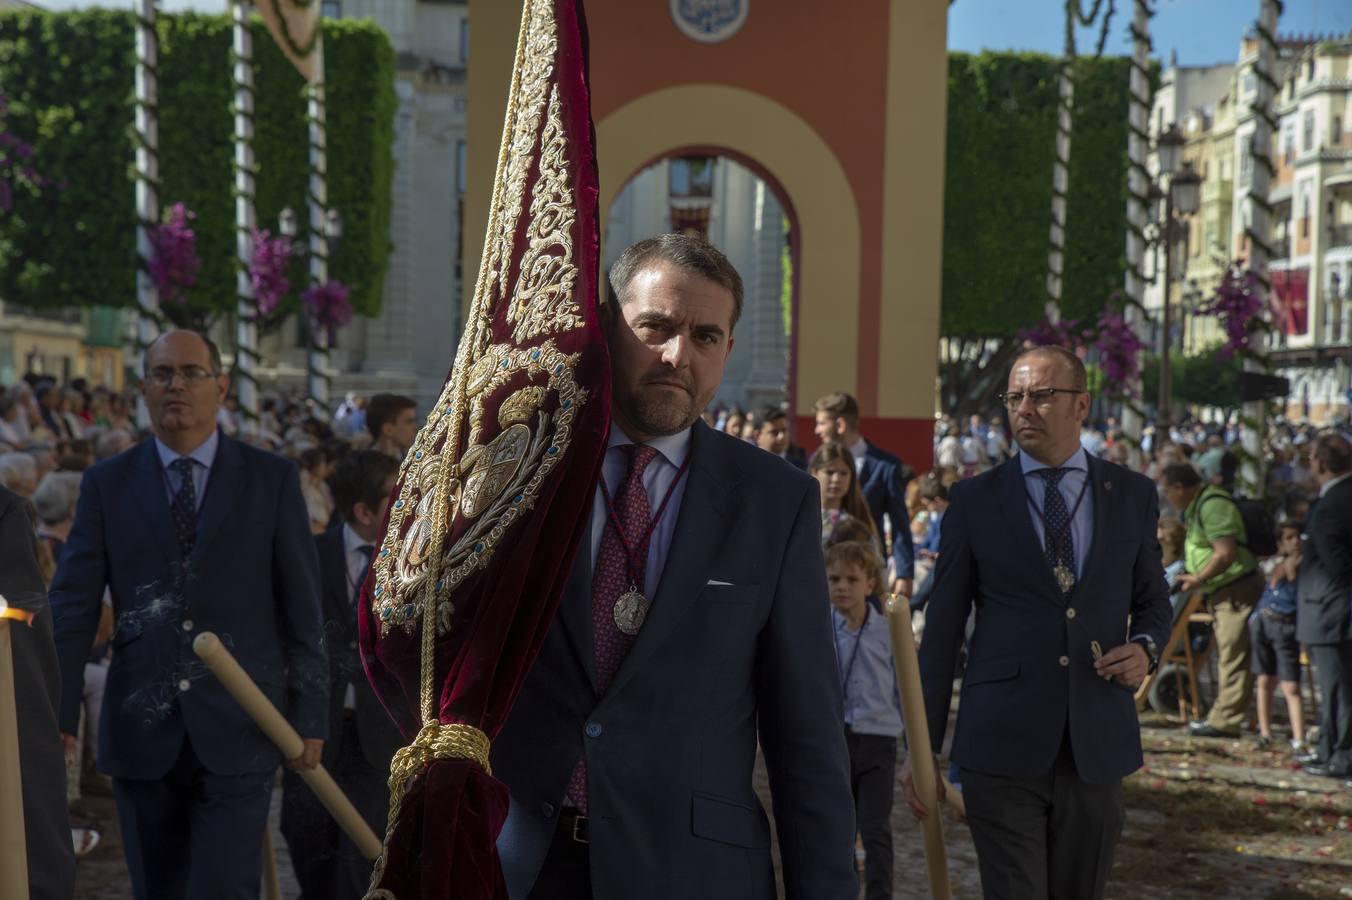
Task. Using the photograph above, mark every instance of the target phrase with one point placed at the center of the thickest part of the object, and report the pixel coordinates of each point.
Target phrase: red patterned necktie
(611, 578)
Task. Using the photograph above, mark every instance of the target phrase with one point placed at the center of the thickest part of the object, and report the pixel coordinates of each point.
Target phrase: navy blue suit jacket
(1030, 670)
(736, 653)
(253, 579)
(376, 733)
(883, 483)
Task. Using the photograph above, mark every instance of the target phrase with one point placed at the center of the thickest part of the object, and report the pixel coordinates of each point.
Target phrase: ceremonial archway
(803, 172)
(842, 106)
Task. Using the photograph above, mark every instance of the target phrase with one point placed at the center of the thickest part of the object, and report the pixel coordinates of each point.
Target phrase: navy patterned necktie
(1057, 541)
(184, 508)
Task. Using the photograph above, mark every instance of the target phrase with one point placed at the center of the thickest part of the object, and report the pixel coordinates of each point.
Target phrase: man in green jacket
(1219, 563)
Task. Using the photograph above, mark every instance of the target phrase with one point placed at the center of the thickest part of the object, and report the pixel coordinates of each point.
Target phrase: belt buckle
(580, 830)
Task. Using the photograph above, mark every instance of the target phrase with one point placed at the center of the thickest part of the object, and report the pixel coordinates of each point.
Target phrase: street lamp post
(1181, 199)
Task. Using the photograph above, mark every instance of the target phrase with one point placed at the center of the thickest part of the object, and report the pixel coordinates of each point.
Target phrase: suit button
(1070, 613)
(184, 684)
(1065, 660)
(547, 809)
(187, 624)
(593, 729)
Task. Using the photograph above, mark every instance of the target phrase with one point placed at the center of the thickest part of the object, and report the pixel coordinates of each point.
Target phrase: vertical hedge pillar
(246, 310)
(147, 179)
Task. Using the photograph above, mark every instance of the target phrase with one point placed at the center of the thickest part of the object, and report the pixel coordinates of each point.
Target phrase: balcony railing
(1340, 236)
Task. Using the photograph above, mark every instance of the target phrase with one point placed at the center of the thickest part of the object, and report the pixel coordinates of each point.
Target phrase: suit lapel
(575, 607)
(337, 597)
(1104, 489)
(700, 532)
(225, 485)
(151, 494)
(1014, 504)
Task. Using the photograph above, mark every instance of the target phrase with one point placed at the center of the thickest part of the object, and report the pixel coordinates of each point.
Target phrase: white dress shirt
(859, 450)
(672, 452)
(1072, 482)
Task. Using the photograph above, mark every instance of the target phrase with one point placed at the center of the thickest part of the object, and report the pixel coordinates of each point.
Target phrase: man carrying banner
(695, 612)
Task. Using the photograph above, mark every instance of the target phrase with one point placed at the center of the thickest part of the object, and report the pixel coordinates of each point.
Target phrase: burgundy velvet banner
(493, 498)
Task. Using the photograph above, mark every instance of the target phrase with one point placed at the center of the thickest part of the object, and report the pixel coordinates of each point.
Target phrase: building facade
(1312, 231)
(1311, 223)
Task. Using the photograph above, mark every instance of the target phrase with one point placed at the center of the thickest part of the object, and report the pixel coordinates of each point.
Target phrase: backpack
(1259, 527)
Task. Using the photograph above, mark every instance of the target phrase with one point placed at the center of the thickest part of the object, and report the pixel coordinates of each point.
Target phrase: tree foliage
(70, 77)
(997, 192)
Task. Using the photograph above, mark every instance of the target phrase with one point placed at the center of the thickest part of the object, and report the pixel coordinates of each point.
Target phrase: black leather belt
(574, 824)
(1278, 617)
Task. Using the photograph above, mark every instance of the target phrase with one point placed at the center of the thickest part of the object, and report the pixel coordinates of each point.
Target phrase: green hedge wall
(70, 80)
(997, 193)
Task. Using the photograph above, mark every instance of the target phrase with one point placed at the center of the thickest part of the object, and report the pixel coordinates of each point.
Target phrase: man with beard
(695, 621)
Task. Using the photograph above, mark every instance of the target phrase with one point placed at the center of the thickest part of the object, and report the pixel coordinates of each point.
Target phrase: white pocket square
(713, 582)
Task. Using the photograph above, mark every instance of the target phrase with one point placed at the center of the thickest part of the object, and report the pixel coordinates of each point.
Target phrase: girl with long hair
(833, 467)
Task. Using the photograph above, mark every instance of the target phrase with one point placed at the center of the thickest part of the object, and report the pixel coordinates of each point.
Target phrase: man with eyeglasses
(192, 531)
(1057, 550)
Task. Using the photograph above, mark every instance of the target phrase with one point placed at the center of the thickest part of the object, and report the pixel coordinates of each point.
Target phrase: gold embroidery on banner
(492, 468)
(492, 484)
(541, 46)
(543, 302)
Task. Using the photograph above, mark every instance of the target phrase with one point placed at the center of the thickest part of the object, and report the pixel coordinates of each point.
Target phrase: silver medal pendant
(630, 611)
(1065, 578)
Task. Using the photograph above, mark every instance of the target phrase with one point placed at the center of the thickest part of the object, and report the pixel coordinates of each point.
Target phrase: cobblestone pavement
(1205, 818)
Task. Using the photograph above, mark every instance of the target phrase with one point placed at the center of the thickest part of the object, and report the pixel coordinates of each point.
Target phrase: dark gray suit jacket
(673, 812)
(37, 687)
(1326, 570)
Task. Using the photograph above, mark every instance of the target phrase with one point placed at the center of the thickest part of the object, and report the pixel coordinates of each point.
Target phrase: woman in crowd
(119, 414)
(317, 465)
(833, 467)
(13, 432)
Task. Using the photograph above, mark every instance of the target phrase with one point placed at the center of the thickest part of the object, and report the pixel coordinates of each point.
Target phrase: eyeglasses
(1042, 398)
(163, 376)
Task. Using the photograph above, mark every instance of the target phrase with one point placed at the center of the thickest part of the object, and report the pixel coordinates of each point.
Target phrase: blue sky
(1202, 31)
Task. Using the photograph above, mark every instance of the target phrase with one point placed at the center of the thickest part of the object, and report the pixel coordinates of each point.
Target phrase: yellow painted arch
(827, 217)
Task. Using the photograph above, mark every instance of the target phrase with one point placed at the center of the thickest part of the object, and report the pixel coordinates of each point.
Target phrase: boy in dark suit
(361, 738)
(882, 479)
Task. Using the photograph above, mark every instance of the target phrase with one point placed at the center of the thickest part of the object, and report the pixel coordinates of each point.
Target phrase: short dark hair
(361, 478)
(1334, 451)
(1077, 371)
(841, 406)
(772, 414)
(1181, 474)
(860, 554)
(684, 251)
(213, 352)
(383, 408)
(932, 487)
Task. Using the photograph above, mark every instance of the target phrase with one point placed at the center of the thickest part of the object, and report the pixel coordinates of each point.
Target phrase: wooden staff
(13, 843)
(272, 885)
(279, 731)
(918, 739)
